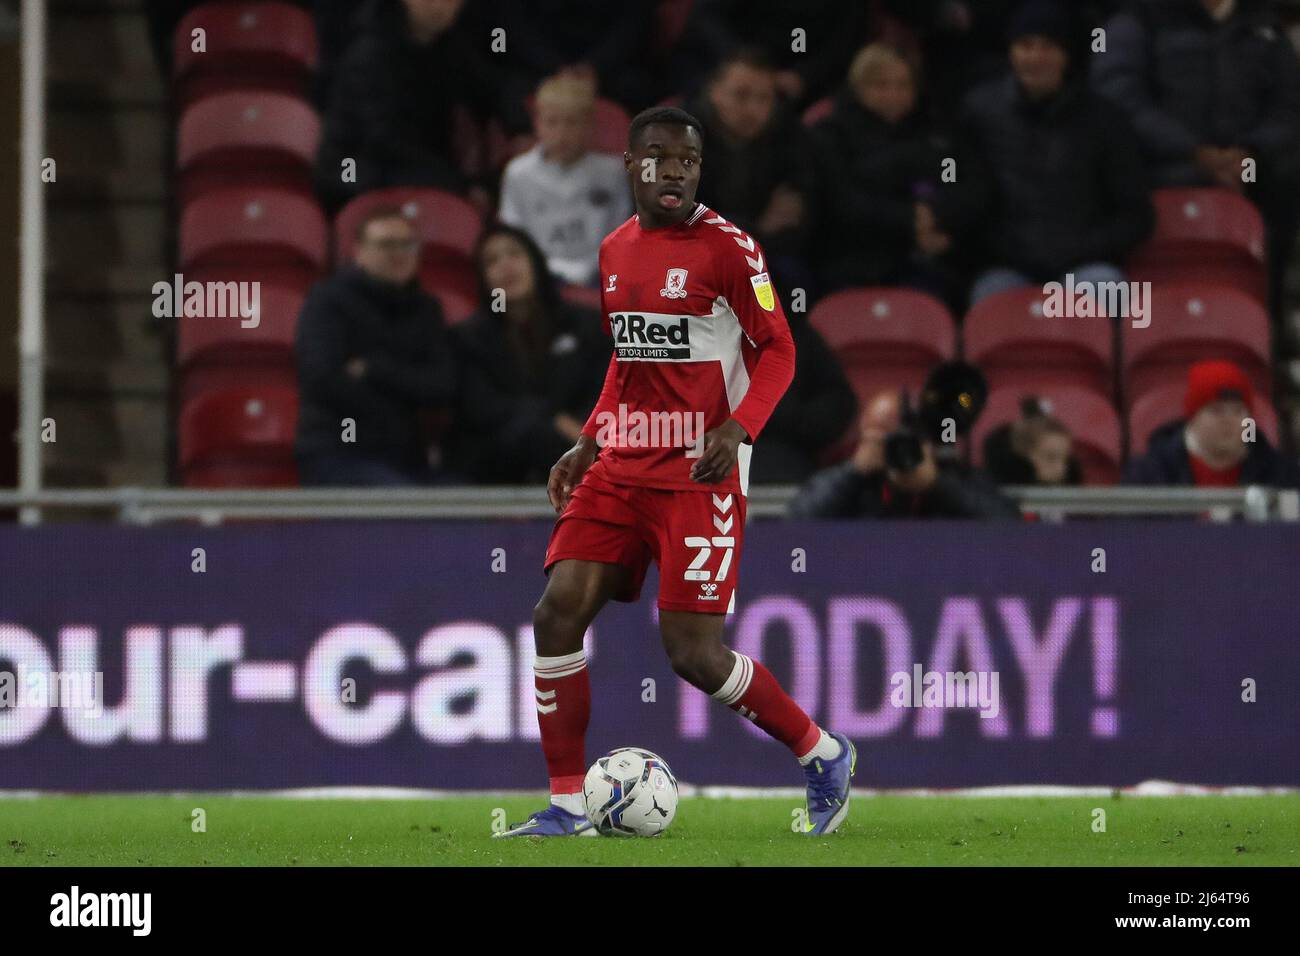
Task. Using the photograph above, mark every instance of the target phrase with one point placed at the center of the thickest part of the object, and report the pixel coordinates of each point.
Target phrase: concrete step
(110, 328)
(98, 235)
(101, 40)
(97, 142)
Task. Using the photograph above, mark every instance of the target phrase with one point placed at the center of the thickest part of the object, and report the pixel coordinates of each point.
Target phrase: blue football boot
(829, 782)
(552, 822)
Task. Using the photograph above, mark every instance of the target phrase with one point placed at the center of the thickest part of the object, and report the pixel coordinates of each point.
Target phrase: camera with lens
(954, 391)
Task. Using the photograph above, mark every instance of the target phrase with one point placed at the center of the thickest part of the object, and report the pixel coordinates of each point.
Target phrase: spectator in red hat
(1212, 447)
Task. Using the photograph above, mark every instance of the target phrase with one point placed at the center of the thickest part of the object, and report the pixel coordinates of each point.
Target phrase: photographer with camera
(903, 467)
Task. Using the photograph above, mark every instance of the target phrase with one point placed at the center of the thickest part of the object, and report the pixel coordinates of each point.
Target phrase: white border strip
(1149, 788)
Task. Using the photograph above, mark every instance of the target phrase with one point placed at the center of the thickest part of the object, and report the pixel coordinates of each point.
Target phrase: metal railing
(145, 506)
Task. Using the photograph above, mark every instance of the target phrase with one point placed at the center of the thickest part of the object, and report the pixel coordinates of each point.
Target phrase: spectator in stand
(808, 64)
(878, 167)
(1036, 449)
(395, 101)
(532, 366)
(758, 176)
(565, 196)
(864, 487)
(963, 42)
(1210, 84)
(1050, 179)
(599, 41)
(1208, 447)
(373, 352)
(812, 415)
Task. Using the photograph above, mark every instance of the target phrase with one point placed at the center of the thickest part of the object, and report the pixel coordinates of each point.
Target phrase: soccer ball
(630, 792)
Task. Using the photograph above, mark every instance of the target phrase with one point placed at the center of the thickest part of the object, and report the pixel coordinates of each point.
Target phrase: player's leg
(574, 595)
(698, 550)
(575, 592)
(694, 645)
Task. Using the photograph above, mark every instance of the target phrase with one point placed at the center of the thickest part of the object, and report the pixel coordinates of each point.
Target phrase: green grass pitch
(880, 831)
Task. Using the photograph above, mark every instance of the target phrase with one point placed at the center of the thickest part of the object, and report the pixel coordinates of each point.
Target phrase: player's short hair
(376, 215)
(668, 115)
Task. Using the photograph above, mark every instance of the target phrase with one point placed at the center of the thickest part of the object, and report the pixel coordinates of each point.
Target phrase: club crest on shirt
(763, 291)
(674, 284)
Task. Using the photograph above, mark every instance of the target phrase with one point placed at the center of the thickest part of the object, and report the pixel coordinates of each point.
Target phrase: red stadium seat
(1191, 322)
(445, 223)
(268, 234)
(885, 338)
(214, 352)
(265, 46)
(239, 436)
(1204, 235)
(610, 134)
(1092, 421)
(1007, 336)
(248, 138)
(1164, 404)
(456, 306)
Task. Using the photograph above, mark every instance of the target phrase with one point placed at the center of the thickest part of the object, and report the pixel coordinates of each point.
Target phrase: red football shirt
(699, 337)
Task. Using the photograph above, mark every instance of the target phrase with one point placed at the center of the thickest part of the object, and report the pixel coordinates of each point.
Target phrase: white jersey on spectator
(568, 210)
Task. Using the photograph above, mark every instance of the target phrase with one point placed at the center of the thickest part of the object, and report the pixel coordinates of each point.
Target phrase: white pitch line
(1149, 788)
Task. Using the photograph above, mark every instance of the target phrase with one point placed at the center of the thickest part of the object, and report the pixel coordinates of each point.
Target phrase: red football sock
(563, 709)
(754, 693)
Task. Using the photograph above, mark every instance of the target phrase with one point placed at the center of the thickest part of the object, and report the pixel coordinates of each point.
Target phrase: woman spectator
(532, 366)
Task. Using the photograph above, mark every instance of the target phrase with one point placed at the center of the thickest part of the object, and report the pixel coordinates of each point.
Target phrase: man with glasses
(374, 358)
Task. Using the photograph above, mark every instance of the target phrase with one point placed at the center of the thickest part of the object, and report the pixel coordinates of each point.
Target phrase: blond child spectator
(565, 196)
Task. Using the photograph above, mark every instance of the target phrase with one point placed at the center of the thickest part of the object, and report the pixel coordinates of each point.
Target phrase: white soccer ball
(630, 792)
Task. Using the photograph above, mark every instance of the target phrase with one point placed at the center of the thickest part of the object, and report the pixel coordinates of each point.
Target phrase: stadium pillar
(31, 256)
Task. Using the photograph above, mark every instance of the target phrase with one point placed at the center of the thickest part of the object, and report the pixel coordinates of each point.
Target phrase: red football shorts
(694, 537)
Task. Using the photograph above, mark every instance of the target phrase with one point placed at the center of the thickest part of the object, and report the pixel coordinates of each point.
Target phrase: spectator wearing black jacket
(532, 366)
(375, 365)
(808, 42)
(596, 39)
(878, 165)
(758, 175)
(396, 97)
(812, 415)
(1210, 84)
(1207, 448)
(1050, 179)
(864, 487)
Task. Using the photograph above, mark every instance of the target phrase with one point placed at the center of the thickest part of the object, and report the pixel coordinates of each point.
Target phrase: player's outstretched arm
(568, 471)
